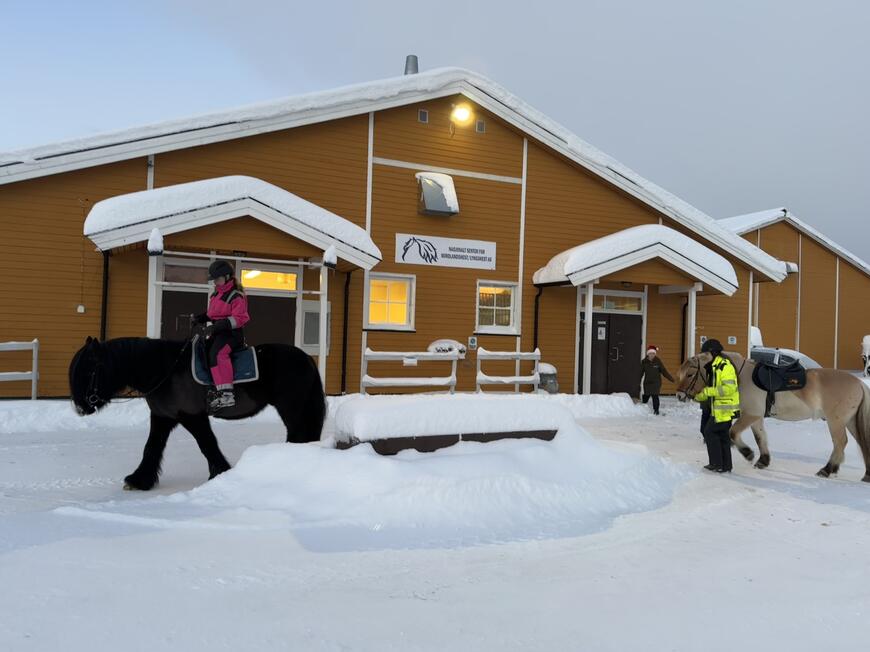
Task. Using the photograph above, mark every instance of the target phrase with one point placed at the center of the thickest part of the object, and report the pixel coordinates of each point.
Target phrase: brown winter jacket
(651, 371)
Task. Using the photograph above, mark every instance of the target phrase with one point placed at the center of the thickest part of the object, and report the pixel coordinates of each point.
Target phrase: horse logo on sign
(427, 251)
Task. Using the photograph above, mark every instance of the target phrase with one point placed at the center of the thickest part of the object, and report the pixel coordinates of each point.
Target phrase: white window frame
(513, 329)
(615, 293)
(412, 302)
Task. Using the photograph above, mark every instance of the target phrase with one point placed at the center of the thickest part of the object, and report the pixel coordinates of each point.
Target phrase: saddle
(245, 369)
(774, 378)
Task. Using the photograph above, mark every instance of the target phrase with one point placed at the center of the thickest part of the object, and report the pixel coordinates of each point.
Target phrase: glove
(701, 396)
(221, 325)
(208, 331)
(201, 318)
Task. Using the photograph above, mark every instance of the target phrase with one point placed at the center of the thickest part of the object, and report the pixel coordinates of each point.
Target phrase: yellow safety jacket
(725, 398)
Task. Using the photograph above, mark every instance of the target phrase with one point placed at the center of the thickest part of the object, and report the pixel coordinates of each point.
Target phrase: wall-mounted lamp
(461, 114)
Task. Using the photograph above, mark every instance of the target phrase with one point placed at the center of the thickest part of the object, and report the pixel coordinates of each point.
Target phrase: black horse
(160, 371)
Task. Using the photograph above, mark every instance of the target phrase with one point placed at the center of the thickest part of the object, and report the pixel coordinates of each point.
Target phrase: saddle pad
(245, 369)
(772, 378)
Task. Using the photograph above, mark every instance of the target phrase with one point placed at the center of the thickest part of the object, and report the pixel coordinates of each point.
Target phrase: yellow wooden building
(456, 211)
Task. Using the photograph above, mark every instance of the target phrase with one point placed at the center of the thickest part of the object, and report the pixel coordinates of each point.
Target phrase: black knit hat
(712, 346)
(220, 268)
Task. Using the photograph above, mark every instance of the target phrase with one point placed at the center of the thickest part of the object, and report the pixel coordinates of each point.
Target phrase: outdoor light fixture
(461, 114)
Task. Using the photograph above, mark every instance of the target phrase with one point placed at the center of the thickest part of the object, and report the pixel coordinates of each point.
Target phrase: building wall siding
(818, 301)
(777, 302)
(854, 322)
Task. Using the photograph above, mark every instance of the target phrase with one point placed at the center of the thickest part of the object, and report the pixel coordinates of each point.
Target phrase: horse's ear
(88, 340)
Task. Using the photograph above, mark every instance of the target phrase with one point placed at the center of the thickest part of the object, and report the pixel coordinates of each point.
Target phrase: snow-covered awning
(592, 260)
(130, 218)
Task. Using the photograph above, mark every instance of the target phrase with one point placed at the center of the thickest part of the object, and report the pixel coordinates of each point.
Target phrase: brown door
(616, 354)
(175, 311)
(273, 320)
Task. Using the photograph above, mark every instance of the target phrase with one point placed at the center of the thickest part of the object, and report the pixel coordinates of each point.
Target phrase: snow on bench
(429, 422)
(516, 380)
(410, 359)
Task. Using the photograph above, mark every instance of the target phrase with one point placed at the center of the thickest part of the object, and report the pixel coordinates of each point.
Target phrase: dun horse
(160, 371)
(836, 396)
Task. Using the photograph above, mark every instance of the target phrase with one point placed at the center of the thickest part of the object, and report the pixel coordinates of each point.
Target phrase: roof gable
(373, 96)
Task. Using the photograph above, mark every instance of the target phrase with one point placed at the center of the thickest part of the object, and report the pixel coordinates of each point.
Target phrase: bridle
(695, 376)
(93, 396)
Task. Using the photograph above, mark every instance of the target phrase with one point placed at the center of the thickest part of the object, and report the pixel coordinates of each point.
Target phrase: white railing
(516, 381)
(410, 359)
(33, 374)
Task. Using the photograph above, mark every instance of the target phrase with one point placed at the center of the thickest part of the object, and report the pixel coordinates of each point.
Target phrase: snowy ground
(576, 544)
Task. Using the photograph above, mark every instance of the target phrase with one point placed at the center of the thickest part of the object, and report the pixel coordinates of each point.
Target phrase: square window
(423, 116)
(391, 302)
(496, 308)
(480, 127)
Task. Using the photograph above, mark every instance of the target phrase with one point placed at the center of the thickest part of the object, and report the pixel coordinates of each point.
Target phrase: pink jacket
(230, 304)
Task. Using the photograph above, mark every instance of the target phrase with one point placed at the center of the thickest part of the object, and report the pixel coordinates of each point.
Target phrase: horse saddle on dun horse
(773, 378)
(245, 369)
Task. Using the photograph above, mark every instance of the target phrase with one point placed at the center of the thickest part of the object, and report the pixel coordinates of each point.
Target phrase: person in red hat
(651, 371)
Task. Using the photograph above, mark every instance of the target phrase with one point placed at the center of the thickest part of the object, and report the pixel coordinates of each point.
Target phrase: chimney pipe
(411, 67)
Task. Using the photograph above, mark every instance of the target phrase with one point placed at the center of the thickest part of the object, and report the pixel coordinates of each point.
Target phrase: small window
(310, 336)
(185, 271)
(437, 194)
(480, 126)
(391, 302)
(258, 279)
(496, 307)
(423, 116)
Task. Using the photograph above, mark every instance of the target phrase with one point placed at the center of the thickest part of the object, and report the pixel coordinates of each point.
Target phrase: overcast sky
(735, 106)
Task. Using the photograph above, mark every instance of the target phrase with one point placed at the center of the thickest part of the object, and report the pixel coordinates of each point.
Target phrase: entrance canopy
(128, 219)
(591, 261)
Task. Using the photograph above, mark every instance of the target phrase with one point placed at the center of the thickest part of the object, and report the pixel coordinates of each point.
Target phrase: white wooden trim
(369, 171)
(576, 363)
(643, 327)
(749, 321)
(244, 206)
(33, 374)
(587, 339)
(412, 302)
(797, 335)
(364, 339)
(691, 321)
(152, 326)
(321, 341)
(149, 174)
(422, 167)
(837, 315)
(656, 250)
(522, 248)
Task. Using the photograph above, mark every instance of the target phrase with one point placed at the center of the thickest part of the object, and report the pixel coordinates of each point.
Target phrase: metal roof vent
(411, 66)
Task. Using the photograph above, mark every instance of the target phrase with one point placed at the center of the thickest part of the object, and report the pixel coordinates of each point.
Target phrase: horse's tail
(862, 427)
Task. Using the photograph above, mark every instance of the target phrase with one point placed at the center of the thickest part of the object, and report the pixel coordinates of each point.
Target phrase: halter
(696, 375)
(93, 397)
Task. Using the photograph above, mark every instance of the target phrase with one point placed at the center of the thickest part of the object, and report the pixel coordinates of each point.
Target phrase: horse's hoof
(132, 483)
(823, 473)
(128, 487)
(866, 478)
(763, 462)
(760, 465)
(748, 453)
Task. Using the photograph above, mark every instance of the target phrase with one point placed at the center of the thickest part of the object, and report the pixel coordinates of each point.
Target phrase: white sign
(444, 252)
(602, 332)
(732, 339)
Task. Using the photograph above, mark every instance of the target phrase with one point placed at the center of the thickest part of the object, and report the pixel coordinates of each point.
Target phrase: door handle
(615, 359)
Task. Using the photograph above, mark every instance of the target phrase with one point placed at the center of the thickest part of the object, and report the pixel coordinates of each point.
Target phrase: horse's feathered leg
(146, 474)
(838, 436)
(760, 435)
(737, 429)
(198, 425)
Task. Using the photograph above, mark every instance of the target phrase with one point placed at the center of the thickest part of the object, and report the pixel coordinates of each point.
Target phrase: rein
(93, 396)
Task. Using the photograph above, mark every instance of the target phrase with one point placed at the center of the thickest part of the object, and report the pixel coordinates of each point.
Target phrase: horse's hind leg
(146, 474)
(761, 439)
(737, 430)
(838, 436)
(200, 428)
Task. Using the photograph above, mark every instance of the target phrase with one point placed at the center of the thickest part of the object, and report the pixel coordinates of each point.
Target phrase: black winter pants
(718, 439)
(235, 338)
(655, 400)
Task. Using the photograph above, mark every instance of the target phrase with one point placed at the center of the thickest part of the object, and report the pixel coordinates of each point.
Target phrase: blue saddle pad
(245, 367)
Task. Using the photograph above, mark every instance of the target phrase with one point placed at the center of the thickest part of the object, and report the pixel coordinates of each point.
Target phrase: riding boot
(220, 399)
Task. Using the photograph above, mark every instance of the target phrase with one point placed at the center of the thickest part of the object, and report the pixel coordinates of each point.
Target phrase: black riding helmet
(712, 346)
(220, 268)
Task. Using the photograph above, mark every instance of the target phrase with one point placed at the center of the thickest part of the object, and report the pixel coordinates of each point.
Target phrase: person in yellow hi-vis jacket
(724, 399)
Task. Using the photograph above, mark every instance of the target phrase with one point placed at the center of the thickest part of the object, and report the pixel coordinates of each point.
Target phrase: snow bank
(467, 494)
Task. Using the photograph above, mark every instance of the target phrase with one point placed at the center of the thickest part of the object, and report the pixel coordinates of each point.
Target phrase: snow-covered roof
(592, 260)
(741, 224)
(130, 218)
(362, 98)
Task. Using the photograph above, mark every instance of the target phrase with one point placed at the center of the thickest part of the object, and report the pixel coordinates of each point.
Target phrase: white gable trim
(192, 219)
(658, 250)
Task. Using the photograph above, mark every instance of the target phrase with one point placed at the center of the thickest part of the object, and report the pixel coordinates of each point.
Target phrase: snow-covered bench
(429, 422)
(410, 359)
(517, 380)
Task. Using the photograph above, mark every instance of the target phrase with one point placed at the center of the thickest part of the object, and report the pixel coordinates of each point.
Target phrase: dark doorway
(616, 353)
(177, 306)
(273, 320)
